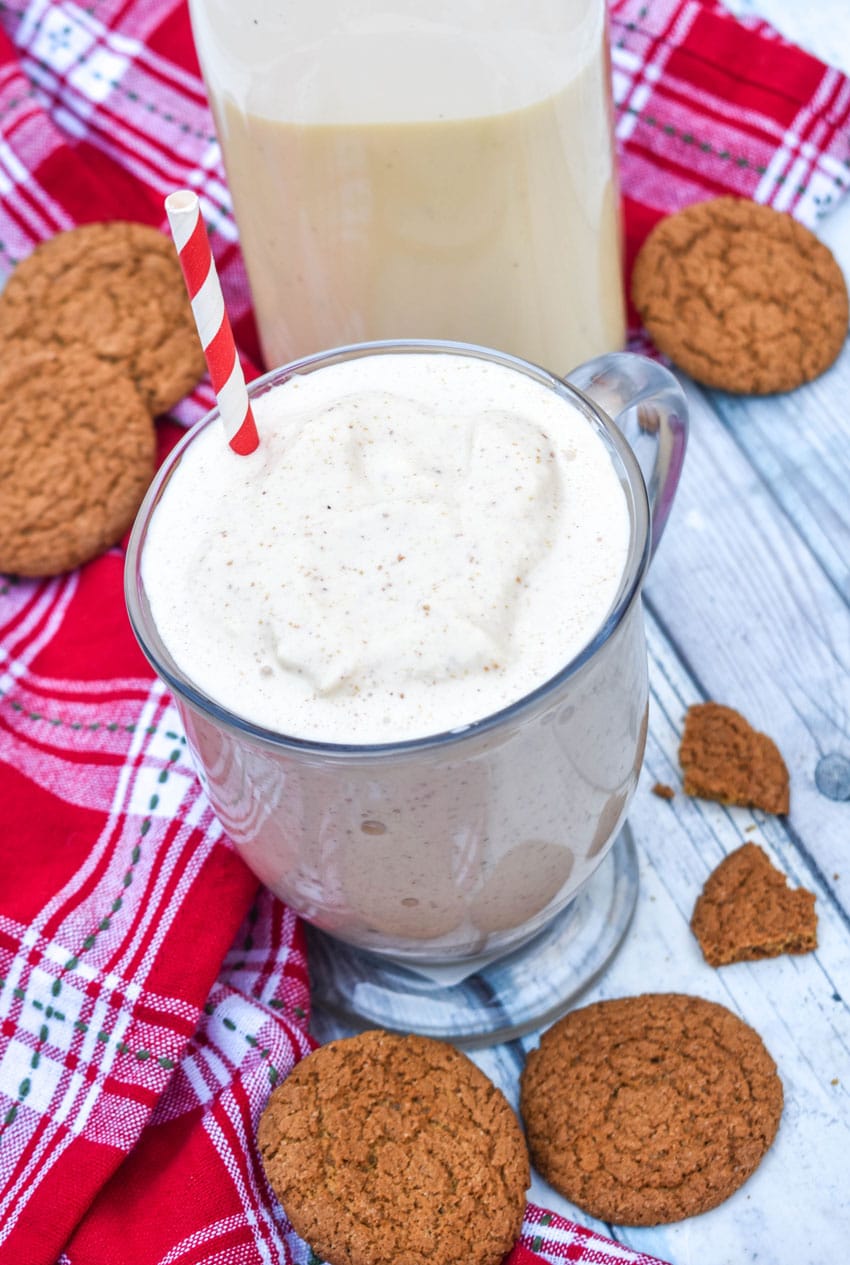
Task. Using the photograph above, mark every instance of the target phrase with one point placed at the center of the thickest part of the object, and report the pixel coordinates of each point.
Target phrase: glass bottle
(401, 170)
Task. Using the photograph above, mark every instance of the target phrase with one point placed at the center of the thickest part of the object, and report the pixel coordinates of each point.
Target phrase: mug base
(527, 989)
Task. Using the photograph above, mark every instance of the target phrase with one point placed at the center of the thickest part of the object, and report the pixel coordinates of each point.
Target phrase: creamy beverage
(421, 540)
(439, 171)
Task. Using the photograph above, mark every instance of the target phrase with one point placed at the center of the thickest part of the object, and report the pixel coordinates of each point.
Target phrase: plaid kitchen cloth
(150, 993)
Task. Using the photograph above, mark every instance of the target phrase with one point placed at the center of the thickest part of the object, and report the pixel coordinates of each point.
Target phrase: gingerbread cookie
(746, 911)
(76, 459)
(385, 1148)
(117, 289)
(740, 296)
(724, 758)
(649, 1109)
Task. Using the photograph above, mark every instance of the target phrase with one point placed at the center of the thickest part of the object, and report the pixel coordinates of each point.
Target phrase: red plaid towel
(150, 995)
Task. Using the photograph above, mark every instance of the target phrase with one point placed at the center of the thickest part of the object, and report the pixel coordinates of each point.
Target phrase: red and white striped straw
(195, 255)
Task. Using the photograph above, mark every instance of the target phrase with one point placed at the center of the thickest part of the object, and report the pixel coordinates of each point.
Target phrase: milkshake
(421, 540)
(403, 641)
(439, 171)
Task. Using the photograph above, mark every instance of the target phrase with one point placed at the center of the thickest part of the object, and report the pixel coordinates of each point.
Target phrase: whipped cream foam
(419, 541)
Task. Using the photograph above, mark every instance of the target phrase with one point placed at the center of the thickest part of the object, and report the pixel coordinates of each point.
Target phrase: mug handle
(649, 406)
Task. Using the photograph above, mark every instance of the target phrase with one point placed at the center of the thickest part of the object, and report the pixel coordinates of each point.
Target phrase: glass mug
(421, 171)
(441, 849)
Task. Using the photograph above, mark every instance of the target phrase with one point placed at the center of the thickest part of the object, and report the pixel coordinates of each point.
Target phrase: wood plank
(759, 623)
(800, 447)
(794, 1003)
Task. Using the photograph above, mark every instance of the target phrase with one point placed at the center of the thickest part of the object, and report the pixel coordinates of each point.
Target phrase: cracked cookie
(725, 759)
(747, 911)
(385, 1149)
(76, 459)
(740, 296)
(115, 288)
(649, 1109)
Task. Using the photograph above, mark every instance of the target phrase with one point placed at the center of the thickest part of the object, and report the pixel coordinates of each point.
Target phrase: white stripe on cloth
(49, 610)
(563, 1237)
(206, 1240)
(258, 1217)
(150, 924)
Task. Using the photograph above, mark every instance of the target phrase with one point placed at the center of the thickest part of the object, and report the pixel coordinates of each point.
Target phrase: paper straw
(195, 255)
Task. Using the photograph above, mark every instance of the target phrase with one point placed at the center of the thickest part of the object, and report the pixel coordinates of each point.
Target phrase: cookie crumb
(747, 911)
(723, 758)
(663, 791)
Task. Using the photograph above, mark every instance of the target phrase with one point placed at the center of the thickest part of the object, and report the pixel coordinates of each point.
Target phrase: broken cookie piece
(746, 911)
(725, 759)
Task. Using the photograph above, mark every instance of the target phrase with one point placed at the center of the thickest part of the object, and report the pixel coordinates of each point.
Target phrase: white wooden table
(748, 603)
